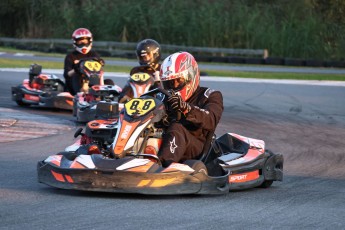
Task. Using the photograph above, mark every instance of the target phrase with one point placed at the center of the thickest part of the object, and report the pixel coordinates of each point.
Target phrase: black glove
(100, 60)
(76, 67)
(176, 103)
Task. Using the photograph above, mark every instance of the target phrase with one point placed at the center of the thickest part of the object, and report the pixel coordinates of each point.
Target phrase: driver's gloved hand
(176, 103)
(76, 67)
(100, 60)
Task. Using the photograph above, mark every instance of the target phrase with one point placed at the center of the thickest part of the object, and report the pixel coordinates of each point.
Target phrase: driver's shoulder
(207, 92)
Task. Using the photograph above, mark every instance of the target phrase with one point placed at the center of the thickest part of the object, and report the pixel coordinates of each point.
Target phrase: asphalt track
(305, 122)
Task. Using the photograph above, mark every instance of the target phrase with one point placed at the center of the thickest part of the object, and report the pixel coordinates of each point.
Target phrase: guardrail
(128, 48)
(202, 54)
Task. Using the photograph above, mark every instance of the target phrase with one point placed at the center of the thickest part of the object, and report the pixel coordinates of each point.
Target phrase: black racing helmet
(148, 52)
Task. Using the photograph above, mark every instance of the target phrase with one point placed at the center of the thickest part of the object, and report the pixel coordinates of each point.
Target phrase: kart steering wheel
(167, 94)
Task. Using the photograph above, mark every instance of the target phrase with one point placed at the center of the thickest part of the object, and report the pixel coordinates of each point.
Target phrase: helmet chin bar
(84, 49)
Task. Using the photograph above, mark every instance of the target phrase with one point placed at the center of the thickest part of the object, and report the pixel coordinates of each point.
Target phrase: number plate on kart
(139, 107)
(140, 77)
(93, 65)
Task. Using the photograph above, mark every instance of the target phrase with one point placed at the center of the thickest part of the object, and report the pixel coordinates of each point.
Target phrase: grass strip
(21, 63)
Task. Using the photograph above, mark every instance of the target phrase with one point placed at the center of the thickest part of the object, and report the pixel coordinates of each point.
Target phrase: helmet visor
(175, 84)
(84, 41)
(146, 57)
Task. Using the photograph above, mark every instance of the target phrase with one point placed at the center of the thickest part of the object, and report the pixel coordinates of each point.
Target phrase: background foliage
(287, 28)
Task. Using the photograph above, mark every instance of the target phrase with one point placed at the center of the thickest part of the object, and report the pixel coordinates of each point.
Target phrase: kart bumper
(115, 181)
(60, 100)
(19, 92)
(253, 174)
(56, 101)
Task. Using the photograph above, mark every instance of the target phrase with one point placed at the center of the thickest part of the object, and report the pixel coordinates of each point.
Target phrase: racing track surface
(306, 123)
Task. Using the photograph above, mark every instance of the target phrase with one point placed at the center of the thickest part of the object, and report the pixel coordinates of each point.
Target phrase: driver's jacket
(186, 138)
(206, 111)
(72, 81)
(76, 56)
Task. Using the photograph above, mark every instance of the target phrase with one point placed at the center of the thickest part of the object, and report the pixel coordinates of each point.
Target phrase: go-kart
(43, 90)
(140, 82)
(94, 90)
(128, 162)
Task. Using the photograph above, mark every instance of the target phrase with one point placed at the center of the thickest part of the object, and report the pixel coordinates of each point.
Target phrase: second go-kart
(43, 90)
(128, 162)
(95, 89)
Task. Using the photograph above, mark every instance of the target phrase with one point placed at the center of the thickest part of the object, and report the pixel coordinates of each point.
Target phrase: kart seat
(207, 147)
(210, 155)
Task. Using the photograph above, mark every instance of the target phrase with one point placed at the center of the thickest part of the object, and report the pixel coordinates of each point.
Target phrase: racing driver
(82, 43)
(201, 109)
(148, 52)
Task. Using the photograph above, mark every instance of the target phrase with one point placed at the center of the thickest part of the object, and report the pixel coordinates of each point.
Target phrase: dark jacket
(75, 55)
(206, 111)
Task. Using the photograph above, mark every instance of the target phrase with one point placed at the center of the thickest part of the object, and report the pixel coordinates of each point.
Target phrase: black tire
(197, 165)
(21, 103)
(266, 184)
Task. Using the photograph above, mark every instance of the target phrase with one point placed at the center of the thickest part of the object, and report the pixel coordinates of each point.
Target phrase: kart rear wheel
(266, 184)
(197, 165)
(21, 103)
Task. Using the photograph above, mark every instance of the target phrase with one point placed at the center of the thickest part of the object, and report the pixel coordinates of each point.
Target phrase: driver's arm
(68, 67)
(209, 115)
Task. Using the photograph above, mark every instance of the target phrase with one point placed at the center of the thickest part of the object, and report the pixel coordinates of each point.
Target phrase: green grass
(267, 75)
(14, 50)
(16, 63)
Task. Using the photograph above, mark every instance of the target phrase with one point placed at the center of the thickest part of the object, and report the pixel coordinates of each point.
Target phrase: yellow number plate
(93, 65)
(140, 77)
(138, 106)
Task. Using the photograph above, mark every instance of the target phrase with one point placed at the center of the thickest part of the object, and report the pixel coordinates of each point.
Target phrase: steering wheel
(167, 94)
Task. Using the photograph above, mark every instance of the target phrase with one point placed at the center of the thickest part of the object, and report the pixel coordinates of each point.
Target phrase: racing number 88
(139, 106)
(135, 104)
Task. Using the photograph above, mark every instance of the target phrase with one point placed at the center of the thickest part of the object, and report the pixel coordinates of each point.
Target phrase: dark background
(298, 31)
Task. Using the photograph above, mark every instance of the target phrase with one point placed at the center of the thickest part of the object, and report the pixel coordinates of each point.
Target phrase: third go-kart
(43, 90)
(94, 90)
(140, 82)
(128, 162)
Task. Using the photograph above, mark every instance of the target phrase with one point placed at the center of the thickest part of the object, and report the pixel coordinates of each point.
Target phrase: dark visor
(175, 84)
(80, 45)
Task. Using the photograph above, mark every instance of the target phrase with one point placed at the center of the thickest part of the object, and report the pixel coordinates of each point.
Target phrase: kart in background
(43, 90)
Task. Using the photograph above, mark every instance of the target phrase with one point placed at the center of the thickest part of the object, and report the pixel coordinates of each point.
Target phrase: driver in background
(148, 52)
(82, 43)
(201, 109)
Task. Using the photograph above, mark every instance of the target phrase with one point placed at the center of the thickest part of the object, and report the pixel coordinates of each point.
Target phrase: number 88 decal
(139, 106)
